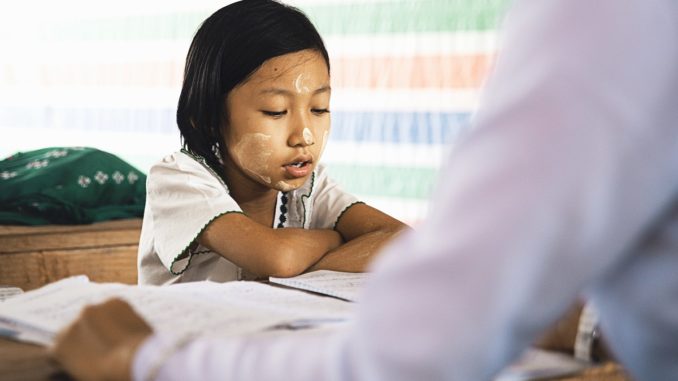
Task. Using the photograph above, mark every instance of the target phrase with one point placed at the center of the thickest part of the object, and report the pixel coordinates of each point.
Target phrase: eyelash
(278, 114)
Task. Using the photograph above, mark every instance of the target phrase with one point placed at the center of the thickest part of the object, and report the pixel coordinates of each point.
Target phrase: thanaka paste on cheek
(308, 136)
(283, 186)
(253, 152)
(324, 142)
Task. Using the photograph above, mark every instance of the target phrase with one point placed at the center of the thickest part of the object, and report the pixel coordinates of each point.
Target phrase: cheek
(253, 153)
(308, 136)
(323, 140)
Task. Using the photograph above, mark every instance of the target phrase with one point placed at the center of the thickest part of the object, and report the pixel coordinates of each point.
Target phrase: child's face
(279, 121)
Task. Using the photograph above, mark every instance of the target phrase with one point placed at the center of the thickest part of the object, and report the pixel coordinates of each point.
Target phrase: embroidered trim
(283, 210)
(186, 249)
(202, 162)
(344, 211)
(303, 204)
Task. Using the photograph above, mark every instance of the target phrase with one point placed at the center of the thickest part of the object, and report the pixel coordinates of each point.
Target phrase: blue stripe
(398, 127)
(363, 126)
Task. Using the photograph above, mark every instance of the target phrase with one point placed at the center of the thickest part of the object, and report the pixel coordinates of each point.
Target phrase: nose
(301, 132)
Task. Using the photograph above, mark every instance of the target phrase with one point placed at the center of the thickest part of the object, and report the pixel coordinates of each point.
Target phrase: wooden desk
(26, 362)
(106, 252)
(33, 256)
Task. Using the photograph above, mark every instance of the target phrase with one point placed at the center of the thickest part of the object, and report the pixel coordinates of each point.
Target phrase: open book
(7, 292)
(224, 309)
(345, 286)
(217, 309)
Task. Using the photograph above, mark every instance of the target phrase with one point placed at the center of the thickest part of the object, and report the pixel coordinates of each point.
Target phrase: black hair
(228, 47)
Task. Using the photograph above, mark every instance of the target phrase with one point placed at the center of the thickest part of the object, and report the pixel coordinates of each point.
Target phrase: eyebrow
(280, 91)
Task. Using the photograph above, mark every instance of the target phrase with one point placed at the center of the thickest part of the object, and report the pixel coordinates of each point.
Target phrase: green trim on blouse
(344, 211)
(203, 162)
(182, 254)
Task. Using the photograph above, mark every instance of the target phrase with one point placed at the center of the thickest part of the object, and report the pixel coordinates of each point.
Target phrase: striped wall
(405, 78)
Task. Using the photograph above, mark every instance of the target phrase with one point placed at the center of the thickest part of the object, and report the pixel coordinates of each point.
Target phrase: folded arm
(266, 251)
(365, 230)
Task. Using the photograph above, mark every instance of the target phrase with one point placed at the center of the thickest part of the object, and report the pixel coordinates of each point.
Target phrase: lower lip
(298, 171)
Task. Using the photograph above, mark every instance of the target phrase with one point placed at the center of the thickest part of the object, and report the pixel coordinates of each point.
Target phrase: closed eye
(320, 111)
(275, 114)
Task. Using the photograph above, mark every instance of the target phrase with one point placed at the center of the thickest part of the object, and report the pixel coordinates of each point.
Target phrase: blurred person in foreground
(567, 184)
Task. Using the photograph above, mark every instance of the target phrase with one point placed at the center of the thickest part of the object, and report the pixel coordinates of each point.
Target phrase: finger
(127, 317)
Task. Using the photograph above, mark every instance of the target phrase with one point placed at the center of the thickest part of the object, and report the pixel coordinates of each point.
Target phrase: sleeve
(183, 197)
(329, 201)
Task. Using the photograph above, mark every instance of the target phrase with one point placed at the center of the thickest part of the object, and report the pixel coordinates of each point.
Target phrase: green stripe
(383, 181)
(331, 19)
(407, 16)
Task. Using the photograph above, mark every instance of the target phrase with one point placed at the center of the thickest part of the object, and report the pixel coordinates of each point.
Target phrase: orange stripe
(412, 72)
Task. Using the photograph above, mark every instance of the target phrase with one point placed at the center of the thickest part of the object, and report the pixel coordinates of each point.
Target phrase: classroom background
(405, 78)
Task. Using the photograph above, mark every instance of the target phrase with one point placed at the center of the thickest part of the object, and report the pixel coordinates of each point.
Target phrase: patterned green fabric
(69, 185)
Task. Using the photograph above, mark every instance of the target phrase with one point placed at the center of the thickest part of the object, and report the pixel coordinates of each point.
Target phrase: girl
(254, 117)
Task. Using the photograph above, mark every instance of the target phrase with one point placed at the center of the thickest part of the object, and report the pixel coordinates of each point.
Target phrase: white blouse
(183, 195)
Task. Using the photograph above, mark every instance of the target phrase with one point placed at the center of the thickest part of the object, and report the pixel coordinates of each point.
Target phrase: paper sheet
(223, 309)
(217, 309)
(341, 285)
(7, 292)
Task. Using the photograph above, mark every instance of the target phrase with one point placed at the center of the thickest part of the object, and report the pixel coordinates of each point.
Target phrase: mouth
(300, 167)
(298, 164)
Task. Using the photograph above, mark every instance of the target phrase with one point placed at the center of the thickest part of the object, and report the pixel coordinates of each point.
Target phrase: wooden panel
(134, 223)
(609, 371)
(30, 270)
(17, 239)
(25, 271)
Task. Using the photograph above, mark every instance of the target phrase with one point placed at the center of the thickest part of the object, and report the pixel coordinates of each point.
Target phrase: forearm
(357, 254)
(265, 251)
(304, 247)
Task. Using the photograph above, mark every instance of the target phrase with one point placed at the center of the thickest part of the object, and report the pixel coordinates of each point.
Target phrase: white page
(216, 309)
(188, 309)
(7, 292)
(338, 284)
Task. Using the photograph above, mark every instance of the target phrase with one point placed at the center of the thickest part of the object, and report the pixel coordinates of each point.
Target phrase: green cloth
(69, 185)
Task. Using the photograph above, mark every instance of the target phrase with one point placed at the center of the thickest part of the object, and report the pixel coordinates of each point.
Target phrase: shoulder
(320, 177)
(323, 200)
(323, 182)
(178, 161)
(181, 167)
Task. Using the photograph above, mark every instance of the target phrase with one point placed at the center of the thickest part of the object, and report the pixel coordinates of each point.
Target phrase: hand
(101, 343)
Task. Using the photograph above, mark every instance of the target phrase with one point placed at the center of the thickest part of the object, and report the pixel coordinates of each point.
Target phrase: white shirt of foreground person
(568, 183)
